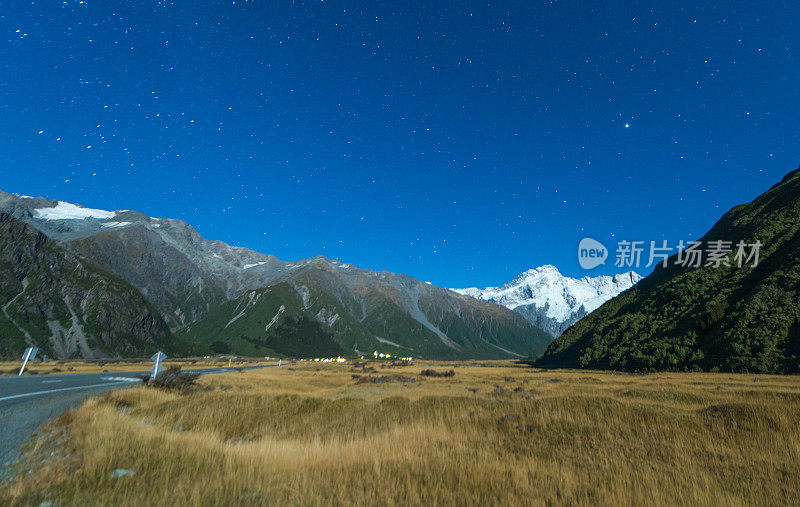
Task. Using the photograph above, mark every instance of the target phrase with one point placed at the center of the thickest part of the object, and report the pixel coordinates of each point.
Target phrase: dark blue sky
(458, 142)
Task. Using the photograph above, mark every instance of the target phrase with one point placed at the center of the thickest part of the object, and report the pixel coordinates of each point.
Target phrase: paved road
(21, 389)
(29, 401)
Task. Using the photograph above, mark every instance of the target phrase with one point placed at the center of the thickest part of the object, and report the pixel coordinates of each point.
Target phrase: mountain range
(552, 301)
(726, 317)
(81, 282)
(221, 298)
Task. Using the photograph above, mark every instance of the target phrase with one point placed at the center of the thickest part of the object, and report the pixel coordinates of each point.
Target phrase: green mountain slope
(54, 300)
(355, 313)
(734, 319)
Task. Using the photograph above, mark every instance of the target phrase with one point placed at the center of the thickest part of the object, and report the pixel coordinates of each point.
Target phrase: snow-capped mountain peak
(551, 300)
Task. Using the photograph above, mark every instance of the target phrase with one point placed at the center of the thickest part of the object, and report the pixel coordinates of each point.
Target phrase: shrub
(381, 379)
(171, 378)
(434, 373)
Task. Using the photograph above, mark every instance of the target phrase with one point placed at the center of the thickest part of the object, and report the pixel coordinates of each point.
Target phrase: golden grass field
(495, 433)
(37, 367)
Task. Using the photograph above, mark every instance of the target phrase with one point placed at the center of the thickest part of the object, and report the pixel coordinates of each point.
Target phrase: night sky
(457, 142)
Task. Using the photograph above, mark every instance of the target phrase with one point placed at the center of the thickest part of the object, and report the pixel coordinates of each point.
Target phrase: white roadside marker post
(30, 353)
(230, 360)
(279, 362)
(158, 358)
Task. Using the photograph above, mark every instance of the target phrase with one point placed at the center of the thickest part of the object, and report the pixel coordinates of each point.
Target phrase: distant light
(627, 125)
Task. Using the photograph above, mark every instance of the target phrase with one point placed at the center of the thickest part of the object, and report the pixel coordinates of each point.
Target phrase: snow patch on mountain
(255, 264)
(112, 225)
(68, 211)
